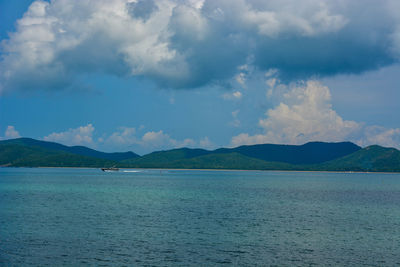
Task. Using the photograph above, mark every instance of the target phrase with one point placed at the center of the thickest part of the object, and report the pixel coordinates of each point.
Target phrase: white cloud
(382, 136)
(305, 20)
(271, 82)
(241, 79)
(306, 114)
(150, 141)
(157, 139)
(192, 43)
(196, 3)
(246, 139)
(188, 142)
(11, 133)
(236, 95)
(55, 40)
(206, 143)
(161, 140)
(128, 138)
(124, 136)
(82, 135)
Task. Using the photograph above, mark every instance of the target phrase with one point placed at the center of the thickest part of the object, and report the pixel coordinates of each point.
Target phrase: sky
(147, 75)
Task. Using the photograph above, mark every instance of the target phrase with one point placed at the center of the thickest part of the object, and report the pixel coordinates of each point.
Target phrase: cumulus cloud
(206, 143)
(241, 79)
(161, 140)
(142, 9)
(306, 114)
(11, 133)
(126, 138)
(382, 136)
(157, 139)
(82, 135)
(184, 44)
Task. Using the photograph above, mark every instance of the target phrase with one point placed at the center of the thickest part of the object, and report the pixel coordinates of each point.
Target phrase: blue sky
(148, 75)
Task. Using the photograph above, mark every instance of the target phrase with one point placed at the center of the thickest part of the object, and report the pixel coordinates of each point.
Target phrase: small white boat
(112, 169)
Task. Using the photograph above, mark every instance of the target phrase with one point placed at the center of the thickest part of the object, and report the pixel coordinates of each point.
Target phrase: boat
(112, 169)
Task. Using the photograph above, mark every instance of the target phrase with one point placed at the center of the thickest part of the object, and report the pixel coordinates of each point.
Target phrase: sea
(86, 217)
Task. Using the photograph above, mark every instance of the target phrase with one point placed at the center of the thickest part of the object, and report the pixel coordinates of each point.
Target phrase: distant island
(313, 156)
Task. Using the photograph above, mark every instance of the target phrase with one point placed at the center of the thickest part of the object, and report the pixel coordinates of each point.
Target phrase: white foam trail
(132, 171)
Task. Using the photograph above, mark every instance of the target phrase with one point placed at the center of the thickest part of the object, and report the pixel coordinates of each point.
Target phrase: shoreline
(238, 170)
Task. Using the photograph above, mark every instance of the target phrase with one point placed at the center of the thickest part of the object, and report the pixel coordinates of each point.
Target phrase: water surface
(78, 217)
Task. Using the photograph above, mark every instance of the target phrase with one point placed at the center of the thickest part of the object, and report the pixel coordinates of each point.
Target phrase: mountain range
(313, 156)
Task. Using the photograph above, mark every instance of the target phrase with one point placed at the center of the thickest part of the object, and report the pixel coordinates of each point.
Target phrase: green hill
(163, 158)
(206, 161)
(234, 161)
(373, 159)
(314, 156)
(78, 150)
(309, 153)
(32, 156)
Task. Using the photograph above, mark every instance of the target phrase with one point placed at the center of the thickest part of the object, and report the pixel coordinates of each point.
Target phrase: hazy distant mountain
(319, 156)
(310, 153)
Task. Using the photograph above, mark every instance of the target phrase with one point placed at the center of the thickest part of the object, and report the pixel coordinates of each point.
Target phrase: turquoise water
(73, 217)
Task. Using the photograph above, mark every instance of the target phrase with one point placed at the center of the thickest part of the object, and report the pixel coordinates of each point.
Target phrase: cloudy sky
(145, 75)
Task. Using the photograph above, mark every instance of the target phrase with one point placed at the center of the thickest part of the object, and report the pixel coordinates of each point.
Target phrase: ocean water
(81, 217)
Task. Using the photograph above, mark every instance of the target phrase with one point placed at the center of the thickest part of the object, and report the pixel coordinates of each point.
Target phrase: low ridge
(309, 153)
(78, 150)
(313, 156)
